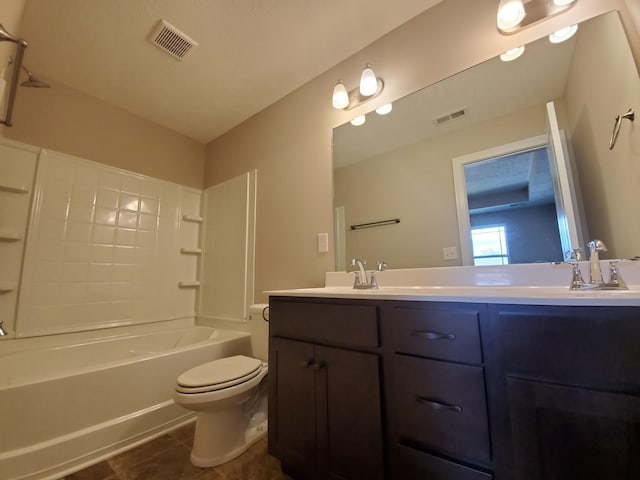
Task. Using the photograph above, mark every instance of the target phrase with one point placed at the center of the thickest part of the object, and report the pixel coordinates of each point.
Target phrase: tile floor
(167, 458)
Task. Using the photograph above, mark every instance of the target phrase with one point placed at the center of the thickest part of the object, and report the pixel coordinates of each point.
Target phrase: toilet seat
(219, 374)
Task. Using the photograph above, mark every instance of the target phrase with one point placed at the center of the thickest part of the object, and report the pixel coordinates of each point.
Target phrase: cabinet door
(565, 433)
(292, 420)
(349, 415)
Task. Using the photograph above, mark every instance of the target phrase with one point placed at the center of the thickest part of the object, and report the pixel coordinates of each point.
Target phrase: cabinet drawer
(335, 324)
(445, 333)
(442, 405)
(594, 347)
(410, 464)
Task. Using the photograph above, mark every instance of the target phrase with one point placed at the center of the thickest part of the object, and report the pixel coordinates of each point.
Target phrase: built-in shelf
(10, 189)
(192, 218)
(191, 251)
(7, 287)
(188, 284)
(6, 236)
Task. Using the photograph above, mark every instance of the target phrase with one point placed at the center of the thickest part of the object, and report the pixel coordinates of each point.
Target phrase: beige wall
(65, 120)
(415, 183)
(290, 142)
(610, 179)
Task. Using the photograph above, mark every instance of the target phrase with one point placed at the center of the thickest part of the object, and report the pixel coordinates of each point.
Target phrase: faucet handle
(382, 266)
(615, 279)
(576, 280)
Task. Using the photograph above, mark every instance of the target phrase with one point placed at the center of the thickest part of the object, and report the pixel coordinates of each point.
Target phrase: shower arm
(21, 45)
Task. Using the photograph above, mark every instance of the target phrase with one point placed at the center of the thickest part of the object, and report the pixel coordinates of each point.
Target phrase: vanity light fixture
(370, 87)
(384, 109)
(340, 96)
(512, 54)
(514, 15)
(368, 82)
(510, 14)
(563, 34)
(359, 120)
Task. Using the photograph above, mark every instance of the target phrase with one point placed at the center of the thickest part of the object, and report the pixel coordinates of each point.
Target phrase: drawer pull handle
(438, 405)
(433, 335)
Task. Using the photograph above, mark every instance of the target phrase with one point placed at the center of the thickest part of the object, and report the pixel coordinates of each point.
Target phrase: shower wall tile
(104, 249)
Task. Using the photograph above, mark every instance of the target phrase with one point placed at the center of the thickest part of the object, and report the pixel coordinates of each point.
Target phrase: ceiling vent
(171, 40)
(450, 116)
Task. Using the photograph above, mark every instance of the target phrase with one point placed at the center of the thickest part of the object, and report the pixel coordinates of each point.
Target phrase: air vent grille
(450, 116)
(171, 40)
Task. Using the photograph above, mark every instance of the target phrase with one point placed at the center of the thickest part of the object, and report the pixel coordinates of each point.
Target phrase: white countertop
(533, 284)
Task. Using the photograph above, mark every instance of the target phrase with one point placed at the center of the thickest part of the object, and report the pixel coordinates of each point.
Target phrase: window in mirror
(489, 246)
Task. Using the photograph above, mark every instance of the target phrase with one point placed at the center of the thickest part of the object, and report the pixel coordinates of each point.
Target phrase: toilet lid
(219, 374)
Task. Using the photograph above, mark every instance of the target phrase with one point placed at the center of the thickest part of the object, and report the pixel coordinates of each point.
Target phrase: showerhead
(33, 81)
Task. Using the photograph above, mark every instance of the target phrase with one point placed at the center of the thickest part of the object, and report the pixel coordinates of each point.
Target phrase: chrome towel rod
(375, 224)
(631, 116)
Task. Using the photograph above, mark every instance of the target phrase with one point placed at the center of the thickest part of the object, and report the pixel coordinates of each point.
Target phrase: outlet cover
(450, 253)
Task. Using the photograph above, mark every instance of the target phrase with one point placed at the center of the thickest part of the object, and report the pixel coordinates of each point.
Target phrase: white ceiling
(251, 53)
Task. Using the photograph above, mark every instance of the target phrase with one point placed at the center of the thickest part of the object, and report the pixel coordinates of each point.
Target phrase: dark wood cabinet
(403, 390)
(325, 412)
(438, 421)
(566, 383)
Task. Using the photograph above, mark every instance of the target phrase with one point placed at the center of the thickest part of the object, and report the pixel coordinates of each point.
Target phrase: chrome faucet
(596, 282)
(361, 282)
(2, 331)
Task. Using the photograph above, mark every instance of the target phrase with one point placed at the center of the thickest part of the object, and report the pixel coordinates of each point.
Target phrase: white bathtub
(70, 400)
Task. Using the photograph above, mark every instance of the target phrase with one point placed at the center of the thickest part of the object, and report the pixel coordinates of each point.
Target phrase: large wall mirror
(400, 166)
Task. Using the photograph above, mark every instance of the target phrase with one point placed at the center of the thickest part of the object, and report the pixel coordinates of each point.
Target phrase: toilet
(230, 398)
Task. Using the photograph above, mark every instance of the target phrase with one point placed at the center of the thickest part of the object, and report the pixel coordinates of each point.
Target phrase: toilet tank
(259, 329)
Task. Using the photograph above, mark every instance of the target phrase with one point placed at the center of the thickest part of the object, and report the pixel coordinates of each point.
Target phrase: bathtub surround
(17, 170)
(228, 240)
(104, 249)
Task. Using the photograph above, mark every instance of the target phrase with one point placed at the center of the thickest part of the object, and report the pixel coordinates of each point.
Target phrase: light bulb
(563, 34)
(359, 120)
(512, 54)
(510, 14)
(368, 82)
(340, 96)
(562, 3)
(384, 109)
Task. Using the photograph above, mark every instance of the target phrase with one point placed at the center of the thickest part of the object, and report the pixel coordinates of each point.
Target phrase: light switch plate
(323, 242)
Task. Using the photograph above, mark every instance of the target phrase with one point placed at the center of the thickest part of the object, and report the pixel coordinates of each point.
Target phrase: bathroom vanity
(406, 385)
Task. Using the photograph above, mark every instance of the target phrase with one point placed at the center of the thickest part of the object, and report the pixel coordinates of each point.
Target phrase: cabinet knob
(307, 363)
(318, 366)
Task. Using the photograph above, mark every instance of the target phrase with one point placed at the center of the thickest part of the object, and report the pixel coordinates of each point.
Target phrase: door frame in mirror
(460, 187)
